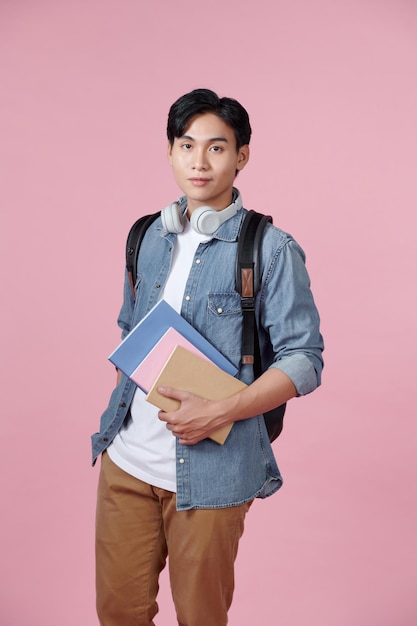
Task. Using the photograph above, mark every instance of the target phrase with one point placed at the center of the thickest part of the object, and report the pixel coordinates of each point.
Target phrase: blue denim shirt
(210, 475)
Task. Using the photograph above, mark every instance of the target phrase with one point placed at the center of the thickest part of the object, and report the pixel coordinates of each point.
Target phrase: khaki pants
(137, 527)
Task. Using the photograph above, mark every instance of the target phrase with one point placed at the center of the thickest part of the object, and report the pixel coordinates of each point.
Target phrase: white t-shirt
(144, 447)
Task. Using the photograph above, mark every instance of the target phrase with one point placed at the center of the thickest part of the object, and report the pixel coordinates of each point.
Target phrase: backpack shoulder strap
(248, 285)
(134, 240)
(248, 281)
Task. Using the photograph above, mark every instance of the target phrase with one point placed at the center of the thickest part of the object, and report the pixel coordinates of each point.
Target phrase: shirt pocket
(224, 324)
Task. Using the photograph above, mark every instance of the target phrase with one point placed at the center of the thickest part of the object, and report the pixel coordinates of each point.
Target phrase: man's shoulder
(274, 238)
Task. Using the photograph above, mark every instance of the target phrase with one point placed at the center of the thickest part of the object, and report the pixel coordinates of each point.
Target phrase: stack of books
(165, 350)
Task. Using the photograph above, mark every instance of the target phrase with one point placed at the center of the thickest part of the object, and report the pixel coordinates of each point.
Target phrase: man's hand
(196, 418)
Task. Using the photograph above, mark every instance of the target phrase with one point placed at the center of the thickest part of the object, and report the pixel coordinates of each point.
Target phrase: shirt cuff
(300, 370)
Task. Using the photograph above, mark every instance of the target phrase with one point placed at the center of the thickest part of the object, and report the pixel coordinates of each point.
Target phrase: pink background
(332, 92)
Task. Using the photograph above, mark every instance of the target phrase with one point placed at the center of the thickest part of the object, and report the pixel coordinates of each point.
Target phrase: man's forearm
(267, 392)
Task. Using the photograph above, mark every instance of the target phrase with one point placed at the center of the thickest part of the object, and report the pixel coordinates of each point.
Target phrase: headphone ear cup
(205, 220)
(171, 218)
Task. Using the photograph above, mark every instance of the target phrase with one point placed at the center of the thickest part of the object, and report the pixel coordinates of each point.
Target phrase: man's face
(204, 161)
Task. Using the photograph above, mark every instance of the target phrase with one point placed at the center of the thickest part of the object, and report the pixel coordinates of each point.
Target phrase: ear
(242, 157)
(169, 153)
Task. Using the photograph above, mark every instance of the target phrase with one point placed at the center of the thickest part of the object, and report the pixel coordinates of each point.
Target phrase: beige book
(189, 372)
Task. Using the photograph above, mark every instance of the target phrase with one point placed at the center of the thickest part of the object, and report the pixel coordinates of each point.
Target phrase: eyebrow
(209, 140)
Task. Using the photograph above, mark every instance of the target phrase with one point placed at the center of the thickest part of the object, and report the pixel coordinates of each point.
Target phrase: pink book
(148, 370)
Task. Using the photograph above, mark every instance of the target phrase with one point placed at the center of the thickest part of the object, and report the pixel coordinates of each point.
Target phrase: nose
(199, 160)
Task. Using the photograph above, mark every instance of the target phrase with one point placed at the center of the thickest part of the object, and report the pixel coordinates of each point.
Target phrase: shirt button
(188, 298)
(219, 310)
(198, 261)
(123, 404)
(105, 439)
(182, 461)
(158, 286)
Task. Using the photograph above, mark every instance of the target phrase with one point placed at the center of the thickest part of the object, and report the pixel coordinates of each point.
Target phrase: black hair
(200, 101)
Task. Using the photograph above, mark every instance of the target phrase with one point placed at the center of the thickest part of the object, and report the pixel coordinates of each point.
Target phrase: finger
(176, 394)
(163, 416)
(172, 428)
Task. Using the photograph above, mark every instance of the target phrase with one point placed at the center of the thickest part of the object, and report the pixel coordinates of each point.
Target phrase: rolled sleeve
(301, 371)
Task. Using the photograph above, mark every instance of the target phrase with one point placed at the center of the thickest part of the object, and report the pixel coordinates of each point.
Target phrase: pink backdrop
(332, 92)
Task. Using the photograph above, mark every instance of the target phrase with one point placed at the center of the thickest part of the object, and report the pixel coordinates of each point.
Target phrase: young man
(165, 488)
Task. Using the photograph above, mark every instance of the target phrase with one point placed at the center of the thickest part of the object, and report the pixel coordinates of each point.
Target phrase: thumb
(171, 392)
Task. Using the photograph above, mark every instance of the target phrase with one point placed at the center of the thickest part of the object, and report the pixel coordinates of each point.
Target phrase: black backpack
(247, 284)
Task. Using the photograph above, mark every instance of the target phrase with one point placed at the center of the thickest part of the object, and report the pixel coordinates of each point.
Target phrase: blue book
(146, 334)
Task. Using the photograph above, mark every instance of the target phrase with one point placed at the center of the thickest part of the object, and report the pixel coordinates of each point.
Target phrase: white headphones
(204, 220)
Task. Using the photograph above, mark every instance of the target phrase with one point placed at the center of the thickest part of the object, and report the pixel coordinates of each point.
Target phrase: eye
(186, 146)
(216, 149)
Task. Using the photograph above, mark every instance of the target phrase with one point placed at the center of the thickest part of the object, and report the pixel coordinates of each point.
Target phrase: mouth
(199, 182)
